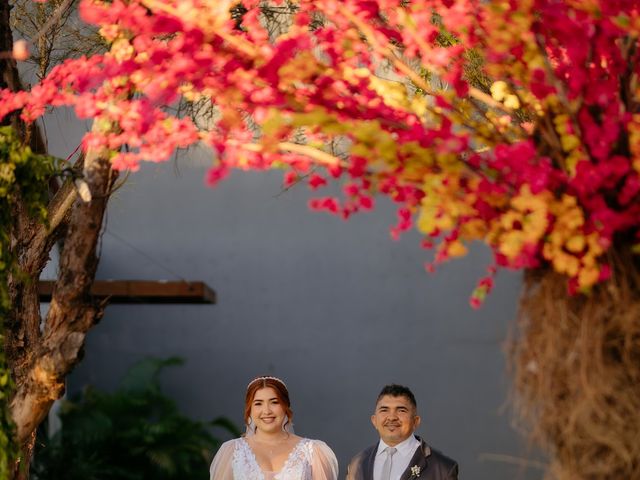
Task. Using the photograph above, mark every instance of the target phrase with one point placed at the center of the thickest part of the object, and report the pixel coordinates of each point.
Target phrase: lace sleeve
(221, 467)
(324, 464)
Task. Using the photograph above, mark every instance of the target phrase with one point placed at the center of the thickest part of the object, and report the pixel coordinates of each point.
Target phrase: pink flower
(216, 174)
(366, 202)
(290, 178)
(316, 181)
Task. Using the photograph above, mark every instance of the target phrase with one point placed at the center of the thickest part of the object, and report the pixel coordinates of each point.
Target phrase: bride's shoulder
(320, 454)
(230, 445)
(314, 441)
(234, 441)
(317, 444)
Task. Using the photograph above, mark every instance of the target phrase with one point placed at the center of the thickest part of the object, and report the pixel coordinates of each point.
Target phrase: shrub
(135, 433)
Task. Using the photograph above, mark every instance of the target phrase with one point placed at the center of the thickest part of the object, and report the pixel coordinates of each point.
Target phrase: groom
(399, 455)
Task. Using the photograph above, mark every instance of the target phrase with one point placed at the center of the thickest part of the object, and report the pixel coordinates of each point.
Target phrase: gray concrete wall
(337, 309)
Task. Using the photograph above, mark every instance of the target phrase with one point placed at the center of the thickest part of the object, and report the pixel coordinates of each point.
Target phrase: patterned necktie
(386, 467)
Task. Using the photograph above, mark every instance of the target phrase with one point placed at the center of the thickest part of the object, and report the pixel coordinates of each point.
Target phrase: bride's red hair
(278, 386)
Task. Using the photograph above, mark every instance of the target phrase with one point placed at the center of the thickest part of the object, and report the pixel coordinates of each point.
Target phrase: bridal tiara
(257, 379)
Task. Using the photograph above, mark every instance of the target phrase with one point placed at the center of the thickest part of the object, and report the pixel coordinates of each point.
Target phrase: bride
(270, 450)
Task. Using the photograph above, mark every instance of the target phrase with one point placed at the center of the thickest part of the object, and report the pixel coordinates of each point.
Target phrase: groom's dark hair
(396, 390)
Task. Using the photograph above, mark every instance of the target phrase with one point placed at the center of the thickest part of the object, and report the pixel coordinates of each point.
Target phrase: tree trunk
(577, 372)
(44, 366)
(40, 357)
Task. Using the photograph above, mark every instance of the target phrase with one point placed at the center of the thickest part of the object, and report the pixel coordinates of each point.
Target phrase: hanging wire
(145, 255)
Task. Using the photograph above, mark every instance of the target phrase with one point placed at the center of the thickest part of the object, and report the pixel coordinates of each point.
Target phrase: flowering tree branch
(531, 168)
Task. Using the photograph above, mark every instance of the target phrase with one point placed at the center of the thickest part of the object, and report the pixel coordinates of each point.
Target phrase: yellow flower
(511, 101)
(565, 263)
(474, 230)
(122, 50)
(576, 244)
(511, 244)
(588, 277)
(569, 142)
(499, 90)
(456, 249)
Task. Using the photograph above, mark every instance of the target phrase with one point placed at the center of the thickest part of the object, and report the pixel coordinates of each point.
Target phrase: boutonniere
(415, 471)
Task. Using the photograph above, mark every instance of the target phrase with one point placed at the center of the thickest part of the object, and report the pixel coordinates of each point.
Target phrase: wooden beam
(141, 291)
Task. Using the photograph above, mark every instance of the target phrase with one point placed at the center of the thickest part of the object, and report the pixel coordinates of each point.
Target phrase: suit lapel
(419, 459)
(367, 463)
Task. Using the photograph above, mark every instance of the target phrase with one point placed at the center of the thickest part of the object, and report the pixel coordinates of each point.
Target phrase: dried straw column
(576, 363)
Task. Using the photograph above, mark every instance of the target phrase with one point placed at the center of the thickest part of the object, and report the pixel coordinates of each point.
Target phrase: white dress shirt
(401, 458)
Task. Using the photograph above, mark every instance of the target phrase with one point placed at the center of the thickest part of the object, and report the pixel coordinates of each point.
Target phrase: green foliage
(474, 62)
(24, 176)
(135, 433)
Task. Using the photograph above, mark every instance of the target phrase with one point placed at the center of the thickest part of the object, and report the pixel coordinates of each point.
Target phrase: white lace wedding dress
(309, 460)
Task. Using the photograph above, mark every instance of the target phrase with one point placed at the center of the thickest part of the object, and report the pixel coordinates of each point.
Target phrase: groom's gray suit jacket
(433, 465)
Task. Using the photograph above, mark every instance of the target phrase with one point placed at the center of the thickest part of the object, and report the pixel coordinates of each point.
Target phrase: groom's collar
(405, 448)
(426, 449)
